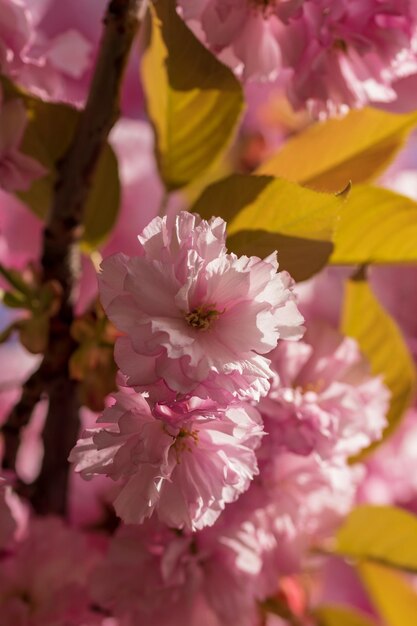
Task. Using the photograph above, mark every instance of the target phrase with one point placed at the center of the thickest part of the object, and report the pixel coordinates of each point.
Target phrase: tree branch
(60, 259)
(20, 416)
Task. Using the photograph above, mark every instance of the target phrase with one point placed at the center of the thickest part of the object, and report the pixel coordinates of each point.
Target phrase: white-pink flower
(43, 579)
(347, 53)
(243, 32)
(331, 54)
(184, 460)
(391, 470)
(191, 311)
(15, 32)
(323, 399)
(14, 515)
(17, 170)
(153, 575)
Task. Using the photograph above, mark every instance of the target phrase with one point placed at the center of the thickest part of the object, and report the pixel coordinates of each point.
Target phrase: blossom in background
(347, 53)
(43, 579)
(323, 399)
(14, 516)
(153, 575)
(184, 460)
(50, 67)
(191, 310)
(244, 32)
(15, 28)
(331, 55)
(390, 477)
(17, 170)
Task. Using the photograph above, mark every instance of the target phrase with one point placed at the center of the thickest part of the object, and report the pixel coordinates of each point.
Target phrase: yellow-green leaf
(382, 343)
(47, 137)
(266, 214)
(357, 148)
(383, 534)
(376, 226)
(103, 200)
(193, 100)
(393, 597)
(341, 616)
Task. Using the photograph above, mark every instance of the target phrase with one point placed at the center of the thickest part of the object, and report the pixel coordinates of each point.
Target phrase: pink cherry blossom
(390, 472)
(245, 30)
(20, 364)
(50, 67)
(307, 498)
(17, 170)
(322, 398)
(299, 501)
(184, 460)
(332, 55)
(42, 582)
(14, 516)
(345, 54)
(15, 31)
(190, 310)
(149, 577)
(90, 501)
(250, 382)
(155, 576)
(60, 61)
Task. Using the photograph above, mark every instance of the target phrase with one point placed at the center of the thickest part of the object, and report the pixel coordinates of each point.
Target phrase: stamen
(202, 318)
(184, 441)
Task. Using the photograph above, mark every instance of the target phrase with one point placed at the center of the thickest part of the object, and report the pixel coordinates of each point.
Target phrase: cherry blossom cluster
(226, 453)
(329, 54)
(240, 448)
(198, 320)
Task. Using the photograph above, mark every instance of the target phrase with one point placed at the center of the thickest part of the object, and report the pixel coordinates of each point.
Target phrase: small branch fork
(60, 262)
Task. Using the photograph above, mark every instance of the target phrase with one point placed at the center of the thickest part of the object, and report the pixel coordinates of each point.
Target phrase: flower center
(184, 441)
(201, 317)
(340, 44)
(317, 386)
(263, 5)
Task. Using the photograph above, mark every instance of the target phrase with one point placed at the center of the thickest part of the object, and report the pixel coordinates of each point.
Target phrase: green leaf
(376, 226)
(193, 100)
(357, 148)
(103, 201)
(265, 213)
(393, 597)
(341, 616)
(382, 534)
(382, 343)
(47, 138)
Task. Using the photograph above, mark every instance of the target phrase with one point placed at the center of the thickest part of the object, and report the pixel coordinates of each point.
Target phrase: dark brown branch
(60, 258)
(59, 435)
(76, 169)
(20, 416)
